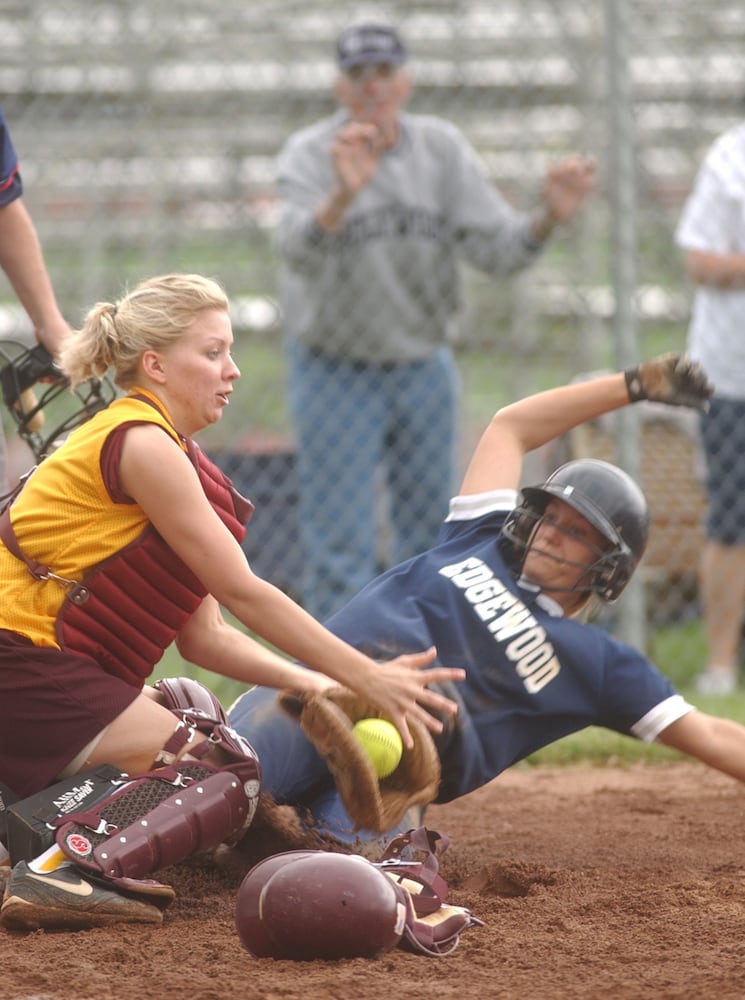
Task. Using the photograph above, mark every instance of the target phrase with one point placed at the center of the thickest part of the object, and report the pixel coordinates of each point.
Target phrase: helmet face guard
(609, 500)
(39, 398)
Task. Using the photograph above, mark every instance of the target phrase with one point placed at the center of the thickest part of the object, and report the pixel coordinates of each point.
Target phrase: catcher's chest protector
(131, 607)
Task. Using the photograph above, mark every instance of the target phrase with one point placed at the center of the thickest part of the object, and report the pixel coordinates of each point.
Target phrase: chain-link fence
(148, 135)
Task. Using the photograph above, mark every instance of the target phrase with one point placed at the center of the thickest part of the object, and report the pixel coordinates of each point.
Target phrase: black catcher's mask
(39, 398)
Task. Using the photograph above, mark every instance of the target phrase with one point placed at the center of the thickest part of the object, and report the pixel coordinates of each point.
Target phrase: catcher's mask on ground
(39, 398)
(609, 500)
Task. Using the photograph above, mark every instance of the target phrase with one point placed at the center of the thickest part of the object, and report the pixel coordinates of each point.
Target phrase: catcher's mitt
(374, 804)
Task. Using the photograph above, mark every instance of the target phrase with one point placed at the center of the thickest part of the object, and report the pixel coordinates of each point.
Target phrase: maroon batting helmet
(316, 905)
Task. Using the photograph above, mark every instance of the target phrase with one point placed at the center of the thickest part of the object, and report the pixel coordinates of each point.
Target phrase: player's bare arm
(22, 260)
(520, 427)
(715, 741)
(210, 642)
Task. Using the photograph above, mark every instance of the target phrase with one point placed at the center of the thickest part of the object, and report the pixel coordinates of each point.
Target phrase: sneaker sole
(19, 915)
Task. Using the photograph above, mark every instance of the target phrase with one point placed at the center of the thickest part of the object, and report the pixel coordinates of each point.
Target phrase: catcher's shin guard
(161, 817)
(188, 806)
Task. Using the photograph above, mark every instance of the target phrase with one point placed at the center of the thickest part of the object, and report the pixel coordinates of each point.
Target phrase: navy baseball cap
(367, 43)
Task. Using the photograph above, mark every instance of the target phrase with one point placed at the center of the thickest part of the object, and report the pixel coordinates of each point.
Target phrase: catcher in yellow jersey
(123, 540)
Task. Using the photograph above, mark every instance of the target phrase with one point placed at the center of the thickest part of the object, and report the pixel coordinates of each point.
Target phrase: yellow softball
(382, 743)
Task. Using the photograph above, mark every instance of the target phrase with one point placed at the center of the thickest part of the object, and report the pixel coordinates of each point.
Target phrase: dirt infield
(592, 882)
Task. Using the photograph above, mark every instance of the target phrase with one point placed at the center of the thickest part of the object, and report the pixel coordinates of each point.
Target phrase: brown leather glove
(327, 719)
(674, 379)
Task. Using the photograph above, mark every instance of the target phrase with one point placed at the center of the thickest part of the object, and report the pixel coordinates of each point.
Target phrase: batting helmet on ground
(316, 905)
(321, 905)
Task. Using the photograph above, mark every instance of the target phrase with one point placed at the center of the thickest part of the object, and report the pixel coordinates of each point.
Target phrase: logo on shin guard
(78, 845)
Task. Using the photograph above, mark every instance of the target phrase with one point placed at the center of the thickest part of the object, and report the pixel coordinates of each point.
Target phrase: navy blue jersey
(10, 178)
(532, 676)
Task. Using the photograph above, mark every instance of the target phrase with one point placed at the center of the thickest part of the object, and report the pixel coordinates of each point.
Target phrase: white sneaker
(716, 682)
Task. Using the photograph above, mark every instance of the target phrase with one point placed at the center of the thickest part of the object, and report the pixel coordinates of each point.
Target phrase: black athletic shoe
(66, 900)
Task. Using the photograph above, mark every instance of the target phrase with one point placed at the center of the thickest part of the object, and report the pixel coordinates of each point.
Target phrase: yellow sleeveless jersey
(65, 519)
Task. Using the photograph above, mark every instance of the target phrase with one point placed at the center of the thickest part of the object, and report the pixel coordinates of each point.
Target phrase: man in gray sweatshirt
(378, 208)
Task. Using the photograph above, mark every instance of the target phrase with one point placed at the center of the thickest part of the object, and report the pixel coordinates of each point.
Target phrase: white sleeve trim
(649, 727)
(467, 508)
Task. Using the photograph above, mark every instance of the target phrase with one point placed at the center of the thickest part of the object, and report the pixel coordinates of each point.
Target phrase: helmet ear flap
(610, 578)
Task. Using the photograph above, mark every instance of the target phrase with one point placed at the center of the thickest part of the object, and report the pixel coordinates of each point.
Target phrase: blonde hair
(153, 315)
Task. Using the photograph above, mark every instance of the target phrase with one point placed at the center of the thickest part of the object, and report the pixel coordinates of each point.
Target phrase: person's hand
(565, 189)
(401, 688)
(355, 153)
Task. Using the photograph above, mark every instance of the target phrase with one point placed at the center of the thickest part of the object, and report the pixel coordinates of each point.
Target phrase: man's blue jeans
(352, 422)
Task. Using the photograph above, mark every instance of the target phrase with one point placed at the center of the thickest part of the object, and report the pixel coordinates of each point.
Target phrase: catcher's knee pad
(199, 711)
(186, 693)
(159, 818)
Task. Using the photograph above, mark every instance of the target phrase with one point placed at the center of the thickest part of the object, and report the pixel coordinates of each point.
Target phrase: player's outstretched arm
(717, 742)
(520, 427)
(208, 640)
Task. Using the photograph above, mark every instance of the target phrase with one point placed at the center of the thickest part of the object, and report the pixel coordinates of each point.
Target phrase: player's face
(563, 547)
(374, 93)
(199, 372)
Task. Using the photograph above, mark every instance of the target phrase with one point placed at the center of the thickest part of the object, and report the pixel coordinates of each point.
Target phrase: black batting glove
(674, 379)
